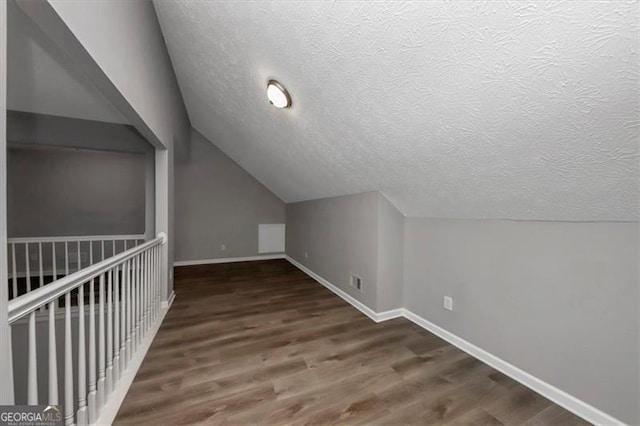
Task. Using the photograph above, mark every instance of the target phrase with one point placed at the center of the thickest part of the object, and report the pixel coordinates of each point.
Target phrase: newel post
(163, 212)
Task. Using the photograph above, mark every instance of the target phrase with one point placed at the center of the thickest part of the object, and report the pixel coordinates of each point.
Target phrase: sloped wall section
(357, 234)
(218, 206)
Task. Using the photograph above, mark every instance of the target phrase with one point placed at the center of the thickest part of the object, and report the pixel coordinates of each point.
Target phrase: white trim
(60, 272)
(228, 260)
(110, 410)
(73, 239)
(390, 314)
(169, 302)
(36, 274)
(560, 397)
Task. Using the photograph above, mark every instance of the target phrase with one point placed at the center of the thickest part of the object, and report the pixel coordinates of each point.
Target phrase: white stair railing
(128, 290)
(43, 258)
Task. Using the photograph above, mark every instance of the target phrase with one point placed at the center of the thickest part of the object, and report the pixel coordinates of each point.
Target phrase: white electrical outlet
(448, 303)
(223, 247)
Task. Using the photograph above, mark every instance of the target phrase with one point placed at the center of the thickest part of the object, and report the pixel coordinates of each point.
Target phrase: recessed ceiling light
(278, 95)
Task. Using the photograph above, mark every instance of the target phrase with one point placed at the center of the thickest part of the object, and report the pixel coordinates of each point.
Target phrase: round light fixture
(278, 95)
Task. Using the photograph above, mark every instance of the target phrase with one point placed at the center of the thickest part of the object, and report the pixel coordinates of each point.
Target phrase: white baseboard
(560, 397)
(167, 303)
(390, 314)
(110, 410)
(228, 260)
(350, 299)
(35, 274)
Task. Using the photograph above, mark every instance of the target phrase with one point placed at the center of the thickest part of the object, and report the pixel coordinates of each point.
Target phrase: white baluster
(15, 271)
(109, 371)
(158, 275)
(159, 271)
(53, 261)
(152, 299)
(152, 272)
(82, 368)
(32, 398)
(102, 250)
(91, 397)
(41, 282)
(123, 318)
(40, 264)
(28, 266)
(66, 258)
(78, 260)
(139, 301)
(101, 347)
(53, 361)
(113, 247)
(130, 311)
(90, 252)
(116, 326)
(158, 279)
(55, 269)
(68, 361)
(145, 290)
(136, 304)
(153, 282)
(151, 293)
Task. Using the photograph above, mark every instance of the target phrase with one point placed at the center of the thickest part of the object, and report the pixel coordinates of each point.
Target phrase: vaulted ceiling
(520, 110)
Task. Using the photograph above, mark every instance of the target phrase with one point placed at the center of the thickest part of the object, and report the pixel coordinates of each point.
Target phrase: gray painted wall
(113, 32)
(41, 82)
(339, 234)
(217, 202)
(26, 128)
(558, 300)
(54, 192)
(360, 234)
(390, 255)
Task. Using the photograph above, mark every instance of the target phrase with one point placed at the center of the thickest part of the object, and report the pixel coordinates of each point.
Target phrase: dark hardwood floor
(262, 343)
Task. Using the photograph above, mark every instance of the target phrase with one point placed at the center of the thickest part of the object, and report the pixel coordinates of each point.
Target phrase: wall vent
(271, 238)
(356, 282)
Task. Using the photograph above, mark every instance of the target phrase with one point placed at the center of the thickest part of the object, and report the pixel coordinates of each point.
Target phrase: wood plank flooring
(262, 343)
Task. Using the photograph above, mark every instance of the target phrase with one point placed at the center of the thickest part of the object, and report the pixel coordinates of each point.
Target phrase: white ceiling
(521, 110)
(39, 82)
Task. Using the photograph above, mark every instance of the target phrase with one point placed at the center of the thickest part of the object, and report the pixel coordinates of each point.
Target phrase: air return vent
(356, 282)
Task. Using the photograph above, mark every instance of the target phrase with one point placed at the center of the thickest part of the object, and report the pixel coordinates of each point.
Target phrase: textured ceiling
(521, 110)
(37, 81)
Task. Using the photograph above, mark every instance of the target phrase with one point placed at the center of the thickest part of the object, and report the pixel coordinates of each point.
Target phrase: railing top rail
(33, 300)
(74, 239)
